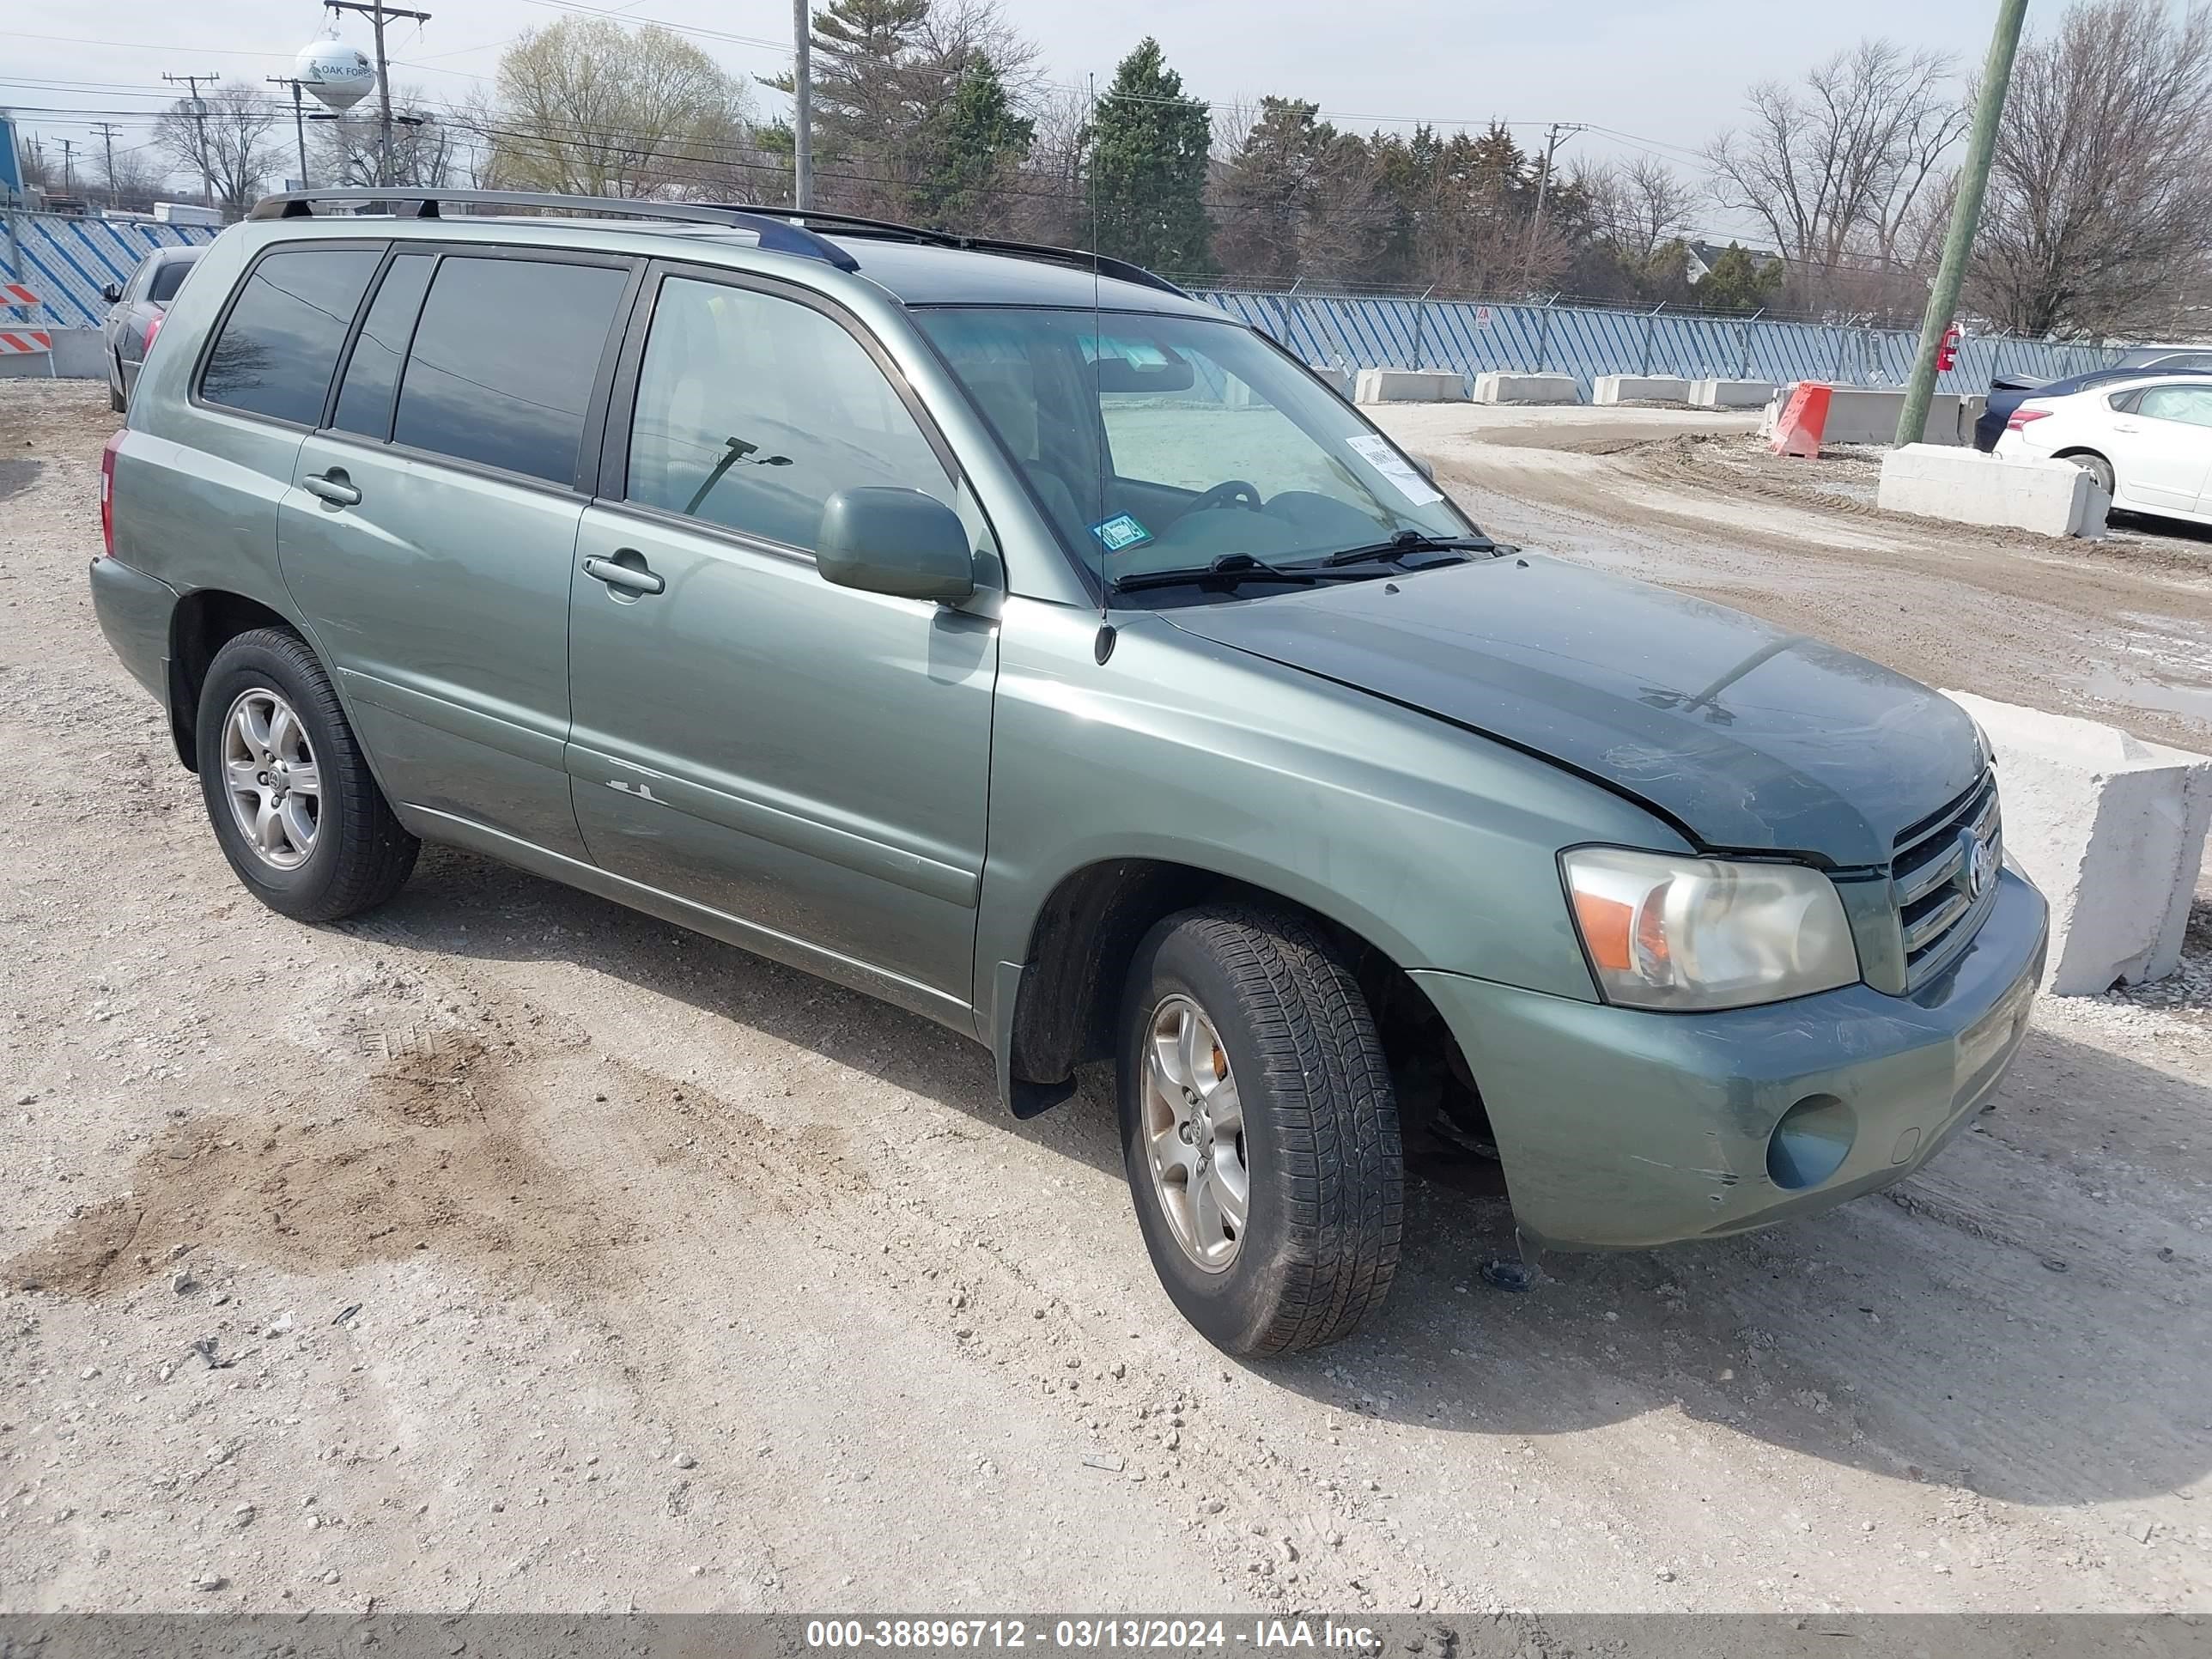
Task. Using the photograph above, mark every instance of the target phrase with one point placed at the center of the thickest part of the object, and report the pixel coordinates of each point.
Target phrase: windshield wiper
(1229, 569)
(1410, 541)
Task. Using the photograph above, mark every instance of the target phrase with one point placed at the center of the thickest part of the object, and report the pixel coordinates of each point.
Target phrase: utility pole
(802, 108)
(1558, 130)
(1966, 218)
(299, 119)
(106, 131)
(199, 120)
(376, 11)
(69, 173)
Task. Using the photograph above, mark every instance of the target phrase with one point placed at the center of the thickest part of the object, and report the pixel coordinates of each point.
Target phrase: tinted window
(2178, 403)
(281, 340)
(365, 394)
(503, 360)
(753, 411)
(169, 276)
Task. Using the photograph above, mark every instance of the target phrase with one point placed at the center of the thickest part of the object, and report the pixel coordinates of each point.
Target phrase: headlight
(1672, 932)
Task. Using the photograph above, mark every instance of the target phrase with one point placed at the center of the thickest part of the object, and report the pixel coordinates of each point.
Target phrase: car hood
(1747, 737)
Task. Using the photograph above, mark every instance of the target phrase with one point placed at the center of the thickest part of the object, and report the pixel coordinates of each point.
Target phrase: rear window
(278, 347)
(501, 367)
(168, 278)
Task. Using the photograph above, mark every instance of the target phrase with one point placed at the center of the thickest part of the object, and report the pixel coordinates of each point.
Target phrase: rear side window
(168, 278)
(281, 340)
(2178, 403)
(501, 369)
(372, 370)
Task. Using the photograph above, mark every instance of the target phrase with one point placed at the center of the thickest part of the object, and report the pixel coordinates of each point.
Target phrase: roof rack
(775, 232)
(781, 229)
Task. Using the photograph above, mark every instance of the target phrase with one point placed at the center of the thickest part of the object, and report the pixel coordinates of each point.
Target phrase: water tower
(338, 75)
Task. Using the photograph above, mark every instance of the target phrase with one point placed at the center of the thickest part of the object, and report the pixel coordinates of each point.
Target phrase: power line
(197, 110)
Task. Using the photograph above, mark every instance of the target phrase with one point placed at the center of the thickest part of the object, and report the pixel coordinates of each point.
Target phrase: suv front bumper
(1621, 1129)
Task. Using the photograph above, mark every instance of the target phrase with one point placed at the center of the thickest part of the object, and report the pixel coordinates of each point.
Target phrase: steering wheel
(1230, 492)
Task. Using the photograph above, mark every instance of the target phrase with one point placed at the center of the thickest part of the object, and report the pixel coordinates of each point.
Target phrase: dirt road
(511, 1250)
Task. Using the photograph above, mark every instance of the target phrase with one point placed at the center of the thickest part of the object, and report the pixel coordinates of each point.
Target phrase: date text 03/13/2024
(1258, 1635)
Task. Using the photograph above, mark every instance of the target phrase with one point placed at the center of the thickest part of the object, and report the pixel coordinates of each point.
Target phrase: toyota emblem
(1981, 867)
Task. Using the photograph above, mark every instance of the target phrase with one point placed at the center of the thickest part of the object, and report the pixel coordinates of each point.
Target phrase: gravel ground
(509, 1250)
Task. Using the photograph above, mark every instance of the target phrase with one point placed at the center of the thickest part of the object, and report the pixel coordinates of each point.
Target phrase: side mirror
(899, 541)
(112, 293)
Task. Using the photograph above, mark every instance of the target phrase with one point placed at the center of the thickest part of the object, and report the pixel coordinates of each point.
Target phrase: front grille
(1934, 874)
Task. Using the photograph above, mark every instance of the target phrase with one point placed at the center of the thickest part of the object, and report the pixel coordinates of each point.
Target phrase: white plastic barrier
(1411, 385)
(2051, 498)
(1496, 386)
(2110, 827)
(1639, 389)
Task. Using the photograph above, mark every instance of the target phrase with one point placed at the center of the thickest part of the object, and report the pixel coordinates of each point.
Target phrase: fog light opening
(1811, 1142)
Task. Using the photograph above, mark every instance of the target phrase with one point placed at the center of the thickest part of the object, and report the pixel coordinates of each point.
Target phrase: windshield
(1163, 443)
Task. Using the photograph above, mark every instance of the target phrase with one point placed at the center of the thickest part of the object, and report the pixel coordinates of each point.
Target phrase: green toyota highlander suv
(998, 630)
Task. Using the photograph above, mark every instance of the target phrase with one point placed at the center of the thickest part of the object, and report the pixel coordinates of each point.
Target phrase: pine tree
(975, 143)
(1147, 167)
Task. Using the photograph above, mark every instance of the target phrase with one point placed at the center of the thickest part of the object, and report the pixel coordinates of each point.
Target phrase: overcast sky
(1667, 73)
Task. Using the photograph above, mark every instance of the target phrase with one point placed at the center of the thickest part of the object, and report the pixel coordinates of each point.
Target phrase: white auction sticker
(1378, 454)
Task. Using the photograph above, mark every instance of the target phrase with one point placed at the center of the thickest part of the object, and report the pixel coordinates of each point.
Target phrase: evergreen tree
(975, 144)
(1739, 283)
(1147, 156)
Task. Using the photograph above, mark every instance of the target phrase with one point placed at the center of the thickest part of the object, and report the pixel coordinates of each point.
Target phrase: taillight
(2023, 415)
(107, 491)
(153, 327)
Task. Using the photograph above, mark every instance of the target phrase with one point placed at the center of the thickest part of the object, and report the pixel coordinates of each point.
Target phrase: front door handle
(332, 486)
(629, 578)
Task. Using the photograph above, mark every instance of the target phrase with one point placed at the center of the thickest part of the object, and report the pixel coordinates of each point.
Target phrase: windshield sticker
(1121, 531)
(1378, 454)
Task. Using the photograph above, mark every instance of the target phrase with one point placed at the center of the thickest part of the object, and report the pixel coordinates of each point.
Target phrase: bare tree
(227, 140)
(2099, 212)
(1639, 208)
(426, 147)
(1834, 168)
(587, 107)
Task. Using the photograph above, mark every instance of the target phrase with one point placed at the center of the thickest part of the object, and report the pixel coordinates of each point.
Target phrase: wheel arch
(202, 623)
(1057, 1009)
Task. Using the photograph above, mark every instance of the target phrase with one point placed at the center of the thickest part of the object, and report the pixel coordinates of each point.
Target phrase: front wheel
(288, 790)
(1259, 1130)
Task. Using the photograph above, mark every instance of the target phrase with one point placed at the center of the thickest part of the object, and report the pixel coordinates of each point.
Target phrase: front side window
(752, 410)
(503, 361)
(281, 340)
(2178, 403)
(1159, 442)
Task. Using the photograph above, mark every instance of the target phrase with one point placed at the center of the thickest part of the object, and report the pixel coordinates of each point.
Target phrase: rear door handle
(332, 486)
(629, 578)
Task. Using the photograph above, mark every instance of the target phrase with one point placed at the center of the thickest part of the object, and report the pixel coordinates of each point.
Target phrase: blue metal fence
(1465, 335)
(66, 260)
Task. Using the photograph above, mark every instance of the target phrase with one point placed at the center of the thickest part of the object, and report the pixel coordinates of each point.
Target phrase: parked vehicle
(998, 631)
(2147, 442)
(2006, 396)
(134, 312)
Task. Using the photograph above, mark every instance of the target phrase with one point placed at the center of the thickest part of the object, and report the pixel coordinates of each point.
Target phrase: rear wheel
(1259, 1130)
(2097, 468)
(116, 400)
(294, 806)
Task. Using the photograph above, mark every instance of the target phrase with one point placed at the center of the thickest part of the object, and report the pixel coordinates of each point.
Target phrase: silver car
(135, 313)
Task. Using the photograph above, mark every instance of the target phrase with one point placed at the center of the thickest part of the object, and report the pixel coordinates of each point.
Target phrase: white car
(2148, 442)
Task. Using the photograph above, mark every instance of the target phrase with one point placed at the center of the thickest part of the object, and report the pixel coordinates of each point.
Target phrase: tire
(336, 848)
(2097, 468)
(116, 400)
(1316, 1142)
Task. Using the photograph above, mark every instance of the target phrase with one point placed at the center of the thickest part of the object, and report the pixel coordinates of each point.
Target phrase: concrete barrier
(1867, 415)
(78, 355)
(1496, 386)
(1729, 394)
(2110, 827)
(2051, 498)
(1639, 389)
(1410, 385)
(1340, 378)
